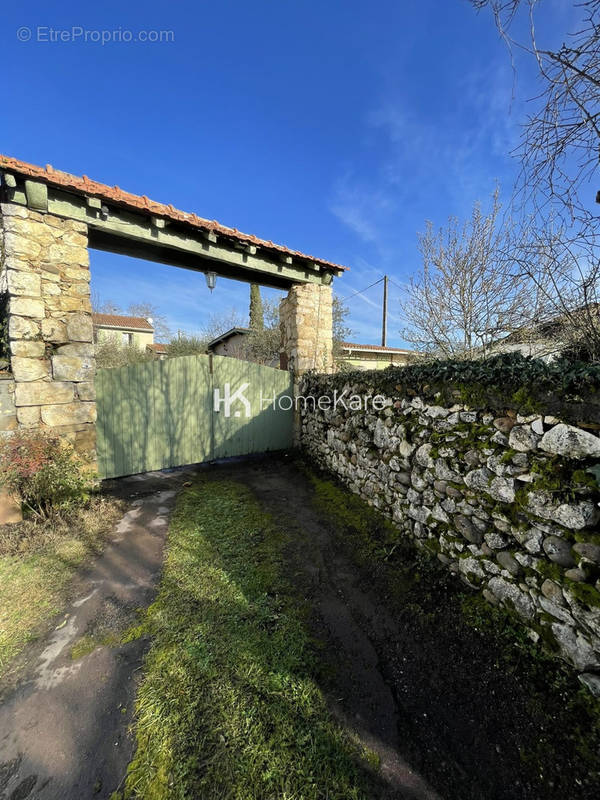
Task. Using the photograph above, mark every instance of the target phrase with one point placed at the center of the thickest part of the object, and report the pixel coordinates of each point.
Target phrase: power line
(361, 291)
(397, 285)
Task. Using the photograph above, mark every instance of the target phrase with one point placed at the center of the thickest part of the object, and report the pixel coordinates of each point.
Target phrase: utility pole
(384, 320)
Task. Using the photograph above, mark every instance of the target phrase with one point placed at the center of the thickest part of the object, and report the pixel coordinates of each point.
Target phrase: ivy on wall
(508, 379)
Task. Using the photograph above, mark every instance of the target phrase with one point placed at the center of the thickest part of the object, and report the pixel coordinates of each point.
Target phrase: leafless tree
(557, 246)
(162, 331)
(561, 138)
(468, 293)
(565, 275)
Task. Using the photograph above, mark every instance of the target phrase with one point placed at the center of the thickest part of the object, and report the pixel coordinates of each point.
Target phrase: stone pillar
(45, 272)
(306, 335)
(306, 329)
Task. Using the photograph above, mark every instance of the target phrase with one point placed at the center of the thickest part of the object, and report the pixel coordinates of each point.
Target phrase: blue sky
(335, 128)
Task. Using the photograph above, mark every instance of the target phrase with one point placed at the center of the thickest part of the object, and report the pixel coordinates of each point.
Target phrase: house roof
(157, 347)
(119, 321)
(374, 348)
(114, 194)
(227, 335)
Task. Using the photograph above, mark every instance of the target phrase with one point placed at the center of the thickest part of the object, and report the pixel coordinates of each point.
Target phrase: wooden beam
(127, 231)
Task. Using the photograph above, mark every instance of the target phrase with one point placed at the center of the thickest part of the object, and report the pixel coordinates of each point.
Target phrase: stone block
(74, 239)
(22, 283)
(50, 289)
(29, 369)
(68, 414)
(27, 307)
(86, 390)
(66, 254)
(53, 330)
(77, 349)
(21, 246)
(24, 348)
(73, 368)
(36, 393)
(67, 303)
(79, 328)
(522, 439)
(23, 328)
(77, 274)
(28, 416)
(566, 440)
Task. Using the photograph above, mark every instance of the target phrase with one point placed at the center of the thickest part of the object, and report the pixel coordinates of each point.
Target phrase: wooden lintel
(133, 233)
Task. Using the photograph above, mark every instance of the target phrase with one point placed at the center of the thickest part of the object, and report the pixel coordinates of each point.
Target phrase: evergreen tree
(257, 322)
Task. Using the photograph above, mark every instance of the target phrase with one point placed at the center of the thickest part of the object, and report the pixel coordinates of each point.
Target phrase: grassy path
(229, 707)
(303, 650)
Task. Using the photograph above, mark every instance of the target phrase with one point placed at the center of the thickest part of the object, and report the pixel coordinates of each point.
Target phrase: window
(127, 339)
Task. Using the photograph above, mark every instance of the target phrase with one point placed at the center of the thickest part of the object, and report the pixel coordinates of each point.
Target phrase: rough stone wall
(306, 328)
(45, 269)
(505, 502)
(8, 411)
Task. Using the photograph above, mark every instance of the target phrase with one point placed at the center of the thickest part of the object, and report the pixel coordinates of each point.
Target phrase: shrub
(187, 346)
(44, 471)
(110, 354)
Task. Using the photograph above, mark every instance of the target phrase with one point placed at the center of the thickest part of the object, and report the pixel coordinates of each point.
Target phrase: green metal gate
(190, 409)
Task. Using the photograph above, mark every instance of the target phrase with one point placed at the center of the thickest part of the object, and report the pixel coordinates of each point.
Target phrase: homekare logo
(235, 403)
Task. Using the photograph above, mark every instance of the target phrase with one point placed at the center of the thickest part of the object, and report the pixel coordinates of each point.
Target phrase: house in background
(231, 343)
(124, 330)
(158, 349)
(373, 356)
(236, 344)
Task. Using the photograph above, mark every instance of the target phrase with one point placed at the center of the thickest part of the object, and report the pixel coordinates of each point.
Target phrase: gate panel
(153, 415)
(161, 414)
(267, 428)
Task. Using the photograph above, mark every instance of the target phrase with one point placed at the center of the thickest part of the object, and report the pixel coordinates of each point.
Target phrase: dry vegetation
(38, 559)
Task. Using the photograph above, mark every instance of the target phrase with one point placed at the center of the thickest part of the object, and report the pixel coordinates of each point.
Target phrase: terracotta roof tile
(120, 321)
(157, 347)
(354, 346)
(116, 195)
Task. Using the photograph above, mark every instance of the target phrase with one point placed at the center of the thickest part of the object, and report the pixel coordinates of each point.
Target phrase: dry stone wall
(44, 272)
(508, 502)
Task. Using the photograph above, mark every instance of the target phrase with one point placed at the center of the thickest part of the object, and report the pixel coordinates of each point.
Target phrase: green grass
(229, 707)
(37, 563)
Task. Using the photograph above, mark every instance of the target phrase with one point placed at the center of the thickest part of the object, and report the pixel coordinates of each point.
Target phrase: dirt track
(430, 695)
